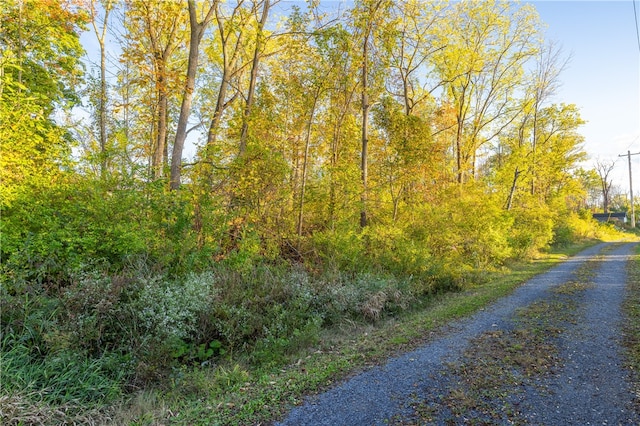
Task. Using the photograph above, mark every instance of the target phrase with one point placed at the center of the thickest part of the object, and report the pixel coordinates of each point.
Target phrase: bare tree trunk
(229, 68)
(513, 189)
(604, 169)
(102, 106)
(365, 126)
(459, 151)
(195, 37)
(305, 162)
(161, 134)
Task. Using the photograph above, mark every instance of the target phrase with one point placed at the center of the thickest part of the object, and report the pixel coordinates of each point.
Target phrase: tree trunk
(162, 112)
(102, 106)
(229, 69)
(365, 128)
(304, 164)
(103, 103)
(513, 190)
(195, 36)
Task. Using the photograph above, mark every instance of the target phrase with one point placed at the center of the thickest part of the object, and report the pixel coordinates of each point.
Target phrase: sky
(602, 77)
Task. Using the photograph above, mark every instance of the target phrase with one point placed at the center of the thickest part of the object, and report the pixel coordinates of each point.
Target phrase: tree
(40, 70)
(368, 17)
(544, 84)
(558, 150)
(257, 52)
(487, 46)
(101, 34)
(337, 46)
(604, 169)
(155, 32)
(405, 115)
(541, 85)
(41, 50)
(197, 30)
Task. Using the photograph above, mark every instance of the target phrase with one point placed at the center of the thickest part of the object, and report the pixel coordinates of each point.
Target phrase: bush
(572, 227)
(170, 309)
(50, 237)
(532, 231)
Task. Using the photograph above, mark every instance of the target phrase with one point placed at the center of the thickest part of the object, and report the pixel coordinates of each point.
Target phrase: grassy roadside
(232, 395)
(632, 323)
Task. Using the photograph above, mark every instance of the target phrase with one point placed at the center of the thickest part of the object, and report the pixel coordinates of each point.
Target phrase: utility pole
(633, 210)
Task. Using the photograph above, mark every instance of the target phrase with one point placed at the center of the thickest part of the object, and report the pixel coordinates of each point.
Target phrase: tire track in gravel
(592, 387)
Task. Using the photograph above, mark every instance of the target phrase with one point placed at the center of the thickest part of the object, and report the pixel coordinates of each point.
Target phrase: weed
(631, 329)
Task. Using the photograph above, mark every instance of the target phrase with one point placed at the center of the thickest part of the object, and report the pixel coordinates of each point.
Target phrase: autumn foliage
(282, 215)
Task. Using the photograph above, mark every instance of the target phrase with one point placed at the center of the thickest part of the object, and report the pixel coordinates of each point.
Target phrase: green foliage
(118, 281)
(532, 230)
(40, 357)
(44, 39)
(48, 237)
(572, 227)
(170, 309)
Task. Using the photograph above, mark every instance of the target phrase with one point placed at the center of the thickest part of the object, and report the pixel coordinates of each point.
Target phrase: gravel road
(587, 384)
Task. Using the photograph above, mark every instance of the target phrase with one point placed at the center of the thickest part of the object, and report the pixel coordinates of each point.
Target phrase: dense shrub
(572, 227)
(532, 230)
(49, 237)
(121, 287)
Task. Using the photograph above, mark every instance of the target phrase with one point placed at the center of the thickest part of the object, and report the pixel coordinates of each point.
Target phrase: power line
(635, 15)
(633, 141)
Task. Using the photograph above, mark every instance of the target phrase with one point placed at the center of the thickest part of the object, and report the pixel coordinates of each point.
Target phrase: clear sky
(602, 77)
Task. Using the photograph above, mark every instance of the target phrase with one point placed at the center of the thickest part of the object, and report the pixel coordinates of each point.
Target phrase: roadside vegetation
(65, 358)
(340, 202)
(632, 322)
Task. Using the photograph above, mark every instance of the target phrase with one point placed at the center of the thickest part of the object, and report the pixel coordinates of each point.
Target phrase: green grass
(632, 323)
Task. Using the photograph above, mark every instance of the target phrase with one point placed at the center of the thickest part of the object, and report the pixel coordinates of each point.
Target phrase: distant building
(611, 217)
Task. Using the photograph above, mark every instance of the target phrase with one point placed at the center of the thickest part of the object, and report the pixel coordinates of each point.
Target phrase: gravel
(590, 386)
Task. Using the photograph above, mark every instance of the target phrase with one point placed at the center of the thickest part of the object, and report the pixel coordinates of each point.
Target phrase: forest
(192, 183)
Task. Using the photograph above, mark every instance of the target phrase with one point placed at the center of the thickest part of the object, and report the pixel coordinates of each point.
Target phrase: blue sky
(602, 77)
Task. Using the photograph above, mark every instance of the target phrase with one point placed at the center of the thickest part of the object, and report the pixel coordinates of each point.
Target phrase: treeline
(346, 162)
(307, 122)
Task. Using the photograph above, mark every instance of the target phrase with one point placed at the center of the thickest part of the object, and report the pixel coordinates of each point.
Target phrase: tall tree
(232, 40)
(257, 52)
(549, 66)
(604, 169)
(155, 31)
(540, 85)
(406, 114)
(488, 44)
(40, 72)
(197, 30)
(100, 25)
(368, 16)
